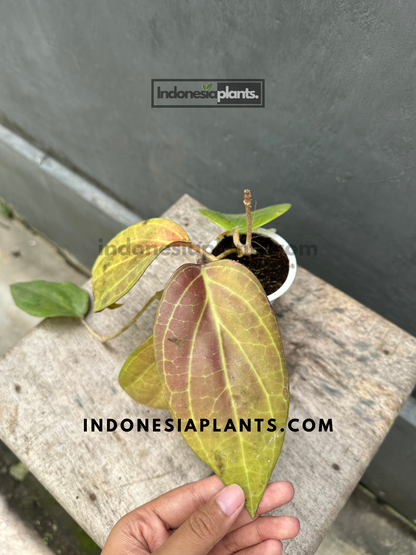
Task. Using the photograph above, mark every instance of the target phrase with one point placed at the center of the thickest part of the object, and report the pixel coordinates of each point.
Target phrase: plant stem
(202, 251)
(247, 204)
(92, 332)
(226, 253)
(247, 249)
(221, 236)
(105, 338)
(236, 240)
(194, 247)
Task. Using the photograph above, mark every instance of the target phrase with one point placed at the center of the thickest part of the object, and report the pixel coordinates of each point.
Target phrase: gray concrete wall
(336, 139)
(69, 210)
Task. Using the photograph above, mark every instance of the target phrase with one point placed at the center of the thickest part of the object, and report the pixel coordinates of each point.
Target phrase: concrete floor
(362, 528)
(25, 256)
(31, 521)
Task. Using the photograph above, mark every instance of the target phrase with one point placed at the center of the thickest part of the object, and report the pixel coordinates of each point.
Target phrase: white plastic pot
(289, 253)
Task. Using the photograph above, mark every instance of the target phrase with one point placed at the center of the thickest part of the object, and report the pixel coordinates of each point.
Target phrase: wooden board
(345, 363)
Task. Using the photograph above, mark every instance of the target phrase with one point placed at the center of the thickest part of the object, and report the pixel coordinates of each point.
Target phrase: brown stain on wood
(12, 420)
(389, 403)
(117, 437)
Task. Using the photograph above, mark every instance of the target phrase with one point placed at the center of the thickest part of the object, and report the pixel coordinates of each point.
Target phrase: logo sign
(207, 93)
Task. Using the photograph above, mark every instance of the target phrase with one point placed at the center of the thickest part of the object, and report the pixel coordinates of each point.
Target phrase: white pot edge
(293, 266)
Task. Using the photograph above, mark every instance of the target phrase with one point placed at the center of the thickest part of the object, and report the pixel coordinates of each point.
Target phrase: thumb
(206, 526)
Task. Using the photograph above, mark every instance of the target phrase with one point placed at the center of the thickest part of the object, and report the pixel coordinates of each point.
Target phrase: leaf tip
(252, 510)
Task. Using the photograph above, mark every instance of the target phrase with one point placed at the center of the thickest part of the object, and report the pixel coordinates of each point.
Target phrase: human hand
(205, 518)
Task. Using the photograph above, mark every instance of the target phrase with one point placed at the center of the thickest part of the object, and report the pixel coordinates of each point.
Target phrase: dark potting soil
(270, 265)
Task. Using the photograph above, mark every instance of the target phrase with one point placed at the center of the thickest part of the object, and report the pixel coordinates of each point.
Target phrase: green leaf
(115, 305)
(204, 87)
(126, 257)
(208, 87)
(259, 218)
(6, 211)
(139, 377)
(219, 355)
(48, 299)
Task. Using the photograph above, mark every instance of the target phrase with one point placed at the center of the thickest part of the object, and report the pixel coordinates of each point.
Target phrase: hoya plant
(215, 359)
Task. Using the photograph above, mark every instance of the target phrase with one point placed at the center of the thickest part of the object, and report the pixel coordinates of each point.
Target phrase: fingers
(276, 495)
(257, 532)
(207, 525)
(269, 547)
(151, 525)
(177, 505)
(166, 512)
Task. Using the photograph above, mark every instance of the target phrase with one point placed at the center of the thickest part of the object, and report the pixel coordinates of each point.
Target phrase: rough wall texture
(336, 139)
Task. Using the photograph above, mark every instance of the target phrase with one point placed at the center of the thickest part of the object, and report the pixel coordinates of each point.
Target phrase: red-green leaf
(219, 355)
(126, 257)
(139, 377)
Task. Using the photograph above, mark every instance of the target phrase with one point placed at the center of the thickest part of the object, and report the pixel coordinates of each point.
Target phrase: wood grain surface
(345, 362)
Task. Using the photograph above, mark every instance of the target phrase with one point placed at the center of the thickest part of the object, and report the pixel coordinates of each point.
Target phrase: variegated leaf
(139, 377)
(219, 356)
(126, 257)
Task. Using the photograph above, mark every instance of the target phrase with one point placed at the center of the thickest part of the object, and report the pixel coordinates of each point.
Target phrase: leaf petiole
(194, 247)
(105, 338)
(226, 253)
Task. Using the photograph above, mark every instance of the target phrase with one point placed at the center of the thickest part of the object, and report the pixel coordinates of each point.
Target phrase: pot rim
(288, 251)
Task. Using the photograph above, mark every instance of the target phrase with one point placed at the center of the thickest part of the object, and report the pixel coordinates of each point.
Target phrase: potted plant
(215, 359)
(275, 263)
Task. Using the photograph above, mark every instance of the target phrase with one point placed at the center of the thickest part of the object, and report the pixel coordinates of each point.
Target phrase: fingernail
(230, 499)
